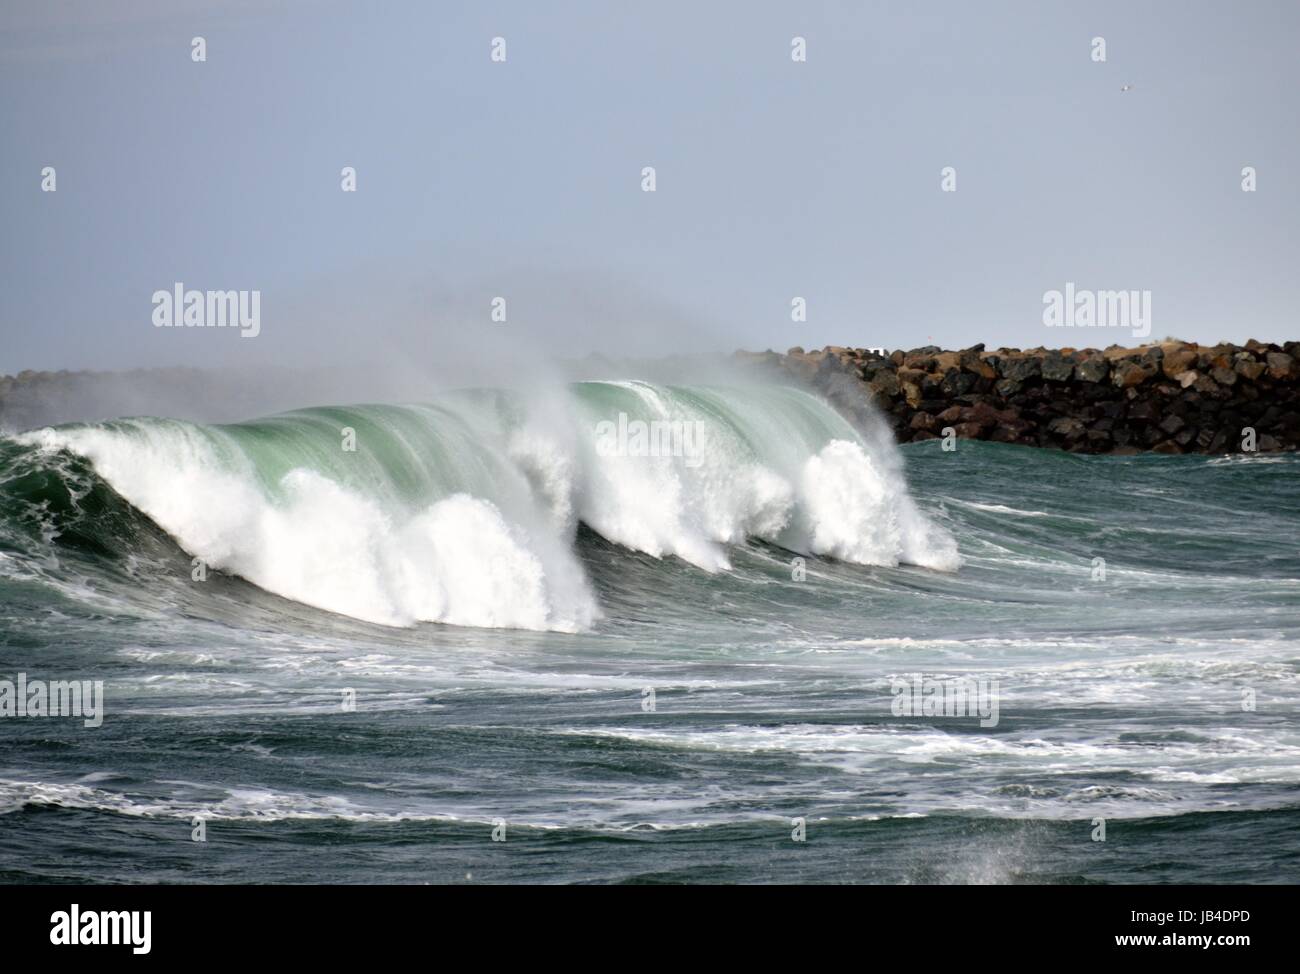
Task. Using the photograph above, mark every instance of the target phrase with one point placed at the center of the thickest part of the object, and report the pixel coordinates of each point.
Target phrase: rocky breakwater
(1171, 397)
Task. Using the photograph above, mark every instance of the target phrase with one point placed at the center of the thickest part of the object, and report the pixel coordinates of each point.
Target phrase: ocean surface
(497, 642)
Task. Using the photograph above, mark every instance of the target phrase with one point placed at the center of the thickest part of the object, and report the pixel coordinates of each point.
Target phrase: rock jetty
(1170, 397)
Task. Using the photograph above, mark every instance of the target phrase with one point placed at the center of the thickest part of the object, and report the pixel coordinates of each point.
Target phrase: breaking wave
(464, 510)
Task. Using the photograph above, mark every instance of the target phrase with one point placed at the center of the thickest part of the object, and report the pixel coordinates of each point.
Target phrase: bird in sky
(1126, 88)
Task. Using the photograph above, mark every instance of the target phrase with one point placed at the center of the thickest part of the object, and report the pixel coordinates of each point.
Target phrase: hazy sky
(522, 179)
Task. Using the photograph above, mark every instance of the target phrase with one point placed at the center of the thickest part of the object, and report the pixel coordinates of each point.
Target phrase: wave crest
(464, 511)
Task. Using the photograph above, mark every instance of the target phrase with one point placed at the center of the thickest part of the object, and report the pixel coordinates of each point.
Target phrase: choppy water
(500, 596)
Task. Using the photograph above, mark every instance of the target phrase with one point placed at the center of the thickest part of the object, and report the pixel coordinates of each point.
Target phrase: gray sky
(522, 179)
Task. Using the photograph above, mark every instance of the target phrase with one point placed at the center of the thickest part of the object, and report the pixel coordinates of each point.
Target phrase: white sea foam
(486, 540)
(861, 512)
(457, 560)
(844, 498)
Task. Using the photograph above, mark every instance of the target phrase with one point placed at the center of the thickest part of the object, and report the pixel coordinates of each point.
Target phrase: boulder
(1128, 373)
(1173, 397)
(1006, 388)
(1281, 366)
(1206, 386)
(1067, 426)
(977, 366)
(1248, 368)
(909, 381)
(1057, 367)
(1020, 368)
(957, 383)
(1178, 359)
(1095, 368)
(884, 384)
(970, 431)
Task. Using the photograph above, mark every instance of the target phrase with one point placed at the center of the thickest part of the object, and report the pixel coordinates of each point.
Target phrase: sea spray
(463, 511)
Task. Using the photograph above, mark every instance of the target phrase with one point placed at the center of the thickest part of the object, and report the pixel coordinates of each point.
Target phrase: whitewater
(464, 511)
(351, 664)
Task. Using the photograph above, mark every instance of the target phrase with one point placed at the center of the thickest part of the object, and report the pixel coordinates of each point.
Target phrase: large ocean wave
(464, 510)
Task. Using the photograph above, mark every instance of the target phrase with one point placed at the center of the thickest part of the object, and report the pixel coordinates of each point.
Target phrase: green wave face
(464, 510)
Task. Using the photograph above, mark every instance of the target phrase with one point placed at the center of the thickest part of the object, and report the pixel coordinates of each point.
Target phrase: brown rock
(1281, 366)
(970, 431)
(1128, 373)
(974, 363)
(884, 384)
(1248, 368)
(909, 381)
(1178, 359)
(907, 374)
(1067, 426)
(1207, 386)
(1218, 357)
(945, 362)
(1115, 352)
